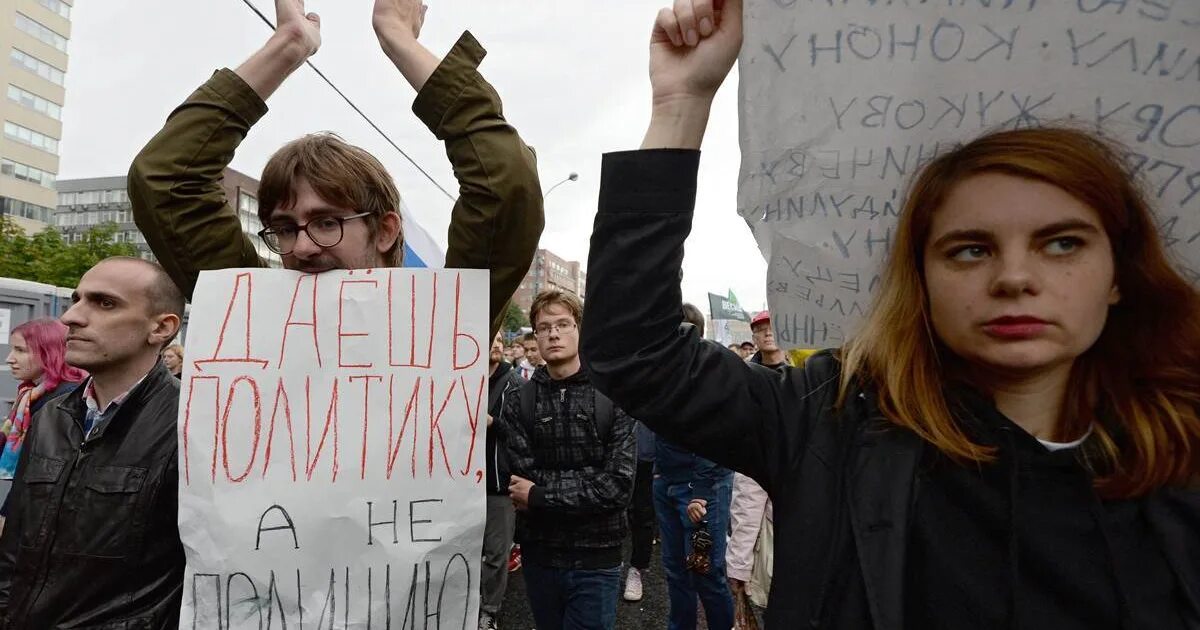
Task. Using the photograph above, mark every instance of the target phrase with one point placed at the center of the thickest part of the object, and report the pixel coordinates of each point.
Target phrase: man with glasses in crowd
(325, 203)
(572, 458)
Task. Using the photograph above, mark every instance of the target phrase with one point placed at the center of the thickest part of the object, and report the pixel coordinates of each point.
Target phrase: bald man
(93, 541)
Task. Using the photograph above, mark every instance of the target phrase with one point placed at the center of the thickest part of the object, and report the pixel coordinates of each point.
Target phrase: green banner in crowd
(724, 308)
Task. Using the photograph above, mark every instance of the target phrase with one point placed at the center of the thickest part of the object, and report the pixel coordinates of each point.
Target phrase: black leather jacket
(92, 541)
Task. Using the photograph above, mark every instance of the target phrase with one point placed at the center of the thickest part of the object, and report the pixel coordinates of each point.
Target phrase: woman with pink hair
(37, 362)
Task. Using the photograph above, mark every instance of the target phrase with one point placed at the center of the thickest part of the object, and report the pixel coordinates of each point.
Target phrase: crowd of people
(1011, 441)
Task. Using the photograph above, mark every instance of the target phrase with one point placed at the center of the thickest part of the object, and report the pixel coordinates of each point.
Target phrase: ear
(1114, 295)
(164, 329)
(387, 232)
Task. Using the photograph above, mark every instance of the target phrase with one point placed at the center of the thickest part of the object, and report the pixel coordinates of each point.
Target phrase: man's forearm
(410, 57)
(267, 68)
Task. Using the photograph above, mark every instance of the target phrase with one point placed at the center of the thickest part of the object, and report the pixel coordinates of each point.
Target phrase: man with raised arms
(326, 204)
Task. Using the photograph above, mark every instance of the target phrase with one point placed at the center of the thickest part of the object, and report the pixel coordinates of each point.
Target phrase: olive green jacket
(180, 206)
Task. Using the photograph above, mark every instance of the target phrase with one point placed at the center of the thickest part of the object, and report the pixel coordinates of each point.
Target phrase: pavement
(648, 614)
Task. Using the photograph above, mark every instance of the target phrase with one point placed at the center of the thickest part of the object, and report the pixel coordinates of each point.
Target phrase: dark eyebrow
(96, 296)
(1066, 226)
(1044, 232)
(317, 213)
(322, 212)
(963, 235)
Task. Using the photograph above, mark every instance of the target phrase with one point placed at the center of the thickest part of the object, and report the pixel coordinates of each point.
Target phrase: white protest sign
(727, 331)
(843, 100)
(331, 437)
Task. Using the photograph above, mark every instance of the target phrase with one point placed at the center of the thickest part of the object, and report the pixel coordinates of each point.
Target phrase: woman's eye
(1063, 246)
(969, 253)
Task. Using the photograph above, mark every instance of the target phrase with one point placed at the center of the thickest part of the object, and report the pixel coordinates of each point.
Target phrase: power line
(356, 109)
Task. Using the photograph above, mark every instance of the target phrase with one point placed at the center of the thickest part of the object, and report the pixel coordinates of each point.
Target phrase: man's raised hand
(297, 36)
(398, 18)
(297, 27)
(692, 48)
(398, 25)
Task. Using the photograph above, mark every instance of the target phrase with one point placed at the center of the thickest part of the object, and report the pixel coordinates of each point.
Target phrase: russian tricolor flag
(420, 250)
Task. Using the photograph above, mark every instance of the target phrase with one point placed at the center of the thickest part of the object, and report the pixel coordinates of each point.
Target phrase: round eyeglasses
(325, 232)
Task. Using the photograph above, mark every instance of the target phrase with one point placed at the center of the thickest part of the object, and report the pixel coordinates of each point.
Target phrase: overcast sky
(572, 76)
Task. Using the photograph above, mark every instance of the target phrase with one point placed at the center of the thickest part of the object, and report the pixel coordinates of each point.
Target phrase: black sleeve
(11, 537)
(512, 389)
(693, 392)
(519, 444)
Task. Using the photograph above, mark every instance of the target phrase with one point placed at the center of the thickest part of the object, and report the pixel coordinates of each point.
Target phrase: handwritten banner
(842, 101)
(331, 436)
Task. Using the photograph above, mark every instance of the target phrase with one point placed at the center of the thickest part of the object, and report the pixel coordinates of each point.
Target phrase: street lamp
(570, 178)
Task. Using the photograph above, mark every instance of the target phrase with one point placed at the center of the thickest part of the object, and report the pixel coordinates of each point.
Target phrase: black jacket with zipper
(583, 481)
(842, 481)
(504, 382)
(93, 540)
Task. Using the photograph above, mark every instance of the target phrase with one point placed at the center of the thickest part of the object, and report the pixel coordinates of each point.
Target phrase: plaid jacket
(582, 486)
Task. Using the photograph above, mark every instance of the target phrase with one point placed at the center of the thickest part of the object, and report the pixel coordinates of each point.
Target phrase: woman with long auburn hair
(1012, 439)
(1135, 384)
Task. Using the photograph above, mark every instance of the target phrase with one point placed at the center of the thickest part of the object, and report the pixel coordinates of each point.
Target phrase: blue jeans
(572, 599)
(675, 529)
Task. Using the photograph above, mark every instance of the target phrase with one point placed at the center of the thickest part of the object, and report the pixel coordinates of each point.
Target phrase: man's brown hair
(341, 173)
(556, 296)
(693, 316)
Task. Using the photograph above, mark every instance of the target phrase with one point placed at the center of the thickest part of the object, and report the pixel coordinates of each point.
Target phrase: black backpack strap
(604, 412)
(605, 415)
(528, 402)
